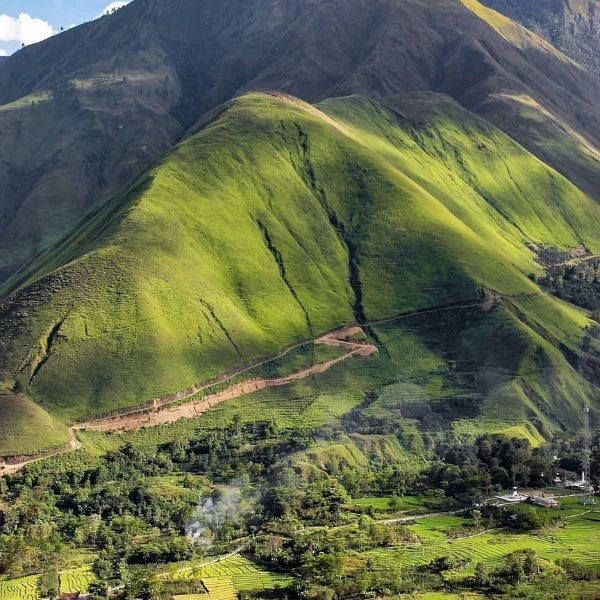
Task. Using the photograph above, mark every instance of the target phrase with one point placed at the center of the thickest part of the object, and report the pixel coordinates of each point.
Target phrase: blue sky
(30, 21)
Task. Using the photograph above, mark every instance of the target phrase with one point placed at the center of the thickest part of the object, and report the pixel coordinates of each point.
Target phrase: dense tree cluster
(240, 485)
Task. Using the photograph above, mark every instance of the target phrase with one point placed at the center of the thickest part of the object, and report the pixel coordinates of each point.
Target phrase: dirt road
(74, 444)
(166, 410)
(195, 408)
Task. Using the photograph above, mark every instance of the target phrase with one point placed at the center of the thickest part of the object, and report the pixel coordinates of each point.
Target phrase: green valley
(300, 300)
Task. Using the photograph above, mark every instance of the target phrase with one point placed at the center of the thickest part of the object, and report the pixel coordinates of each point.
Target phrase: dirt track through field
(197, 407)
(9, 469)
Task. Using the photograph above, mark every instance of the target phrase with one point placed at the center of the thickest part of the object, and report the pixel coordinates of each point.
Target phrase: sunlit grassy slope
(275, 222)
(26, 428)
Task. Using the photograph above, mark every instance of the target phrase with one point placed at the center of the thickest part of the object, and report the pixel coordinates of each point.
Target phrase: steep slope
(85, 112)
(278, 221)
(572, 26)
(26, 428)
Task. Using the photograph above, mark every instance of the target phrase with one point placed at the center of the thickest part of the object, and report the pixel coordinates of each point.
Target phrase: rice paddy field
(578, 539)
(76, 580)
(225, 578)
(25, 588)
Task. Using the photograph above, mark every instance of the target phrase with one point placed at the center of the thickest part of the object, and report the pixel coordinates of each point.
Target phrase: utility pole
(586, 476)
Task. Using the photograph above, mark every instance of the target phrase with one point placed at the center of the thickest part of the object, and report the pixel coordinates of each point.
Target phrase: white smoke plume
(230, 504)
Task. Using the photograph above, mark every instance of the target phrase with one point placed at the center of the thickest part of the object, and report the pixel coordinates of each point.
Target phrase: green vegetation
(231, 575)
(447, 241)
(76, 580)
(161, 317)
(27, 429)
(25, 588)
(309, 504)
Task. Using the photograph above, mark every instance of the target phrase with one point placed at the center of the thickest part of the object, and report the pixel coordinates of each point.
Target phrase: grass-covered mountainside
(84, 113)
(26, 427)
(278, 221)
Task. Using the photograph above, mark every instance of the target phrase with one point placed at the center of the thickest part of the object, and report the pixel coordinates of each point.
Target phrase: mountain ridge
(122, 90)
(424, 205)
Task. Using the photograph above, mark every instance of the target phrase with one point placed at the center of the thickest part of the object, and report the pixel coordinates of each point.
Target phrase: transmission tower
(586, 476)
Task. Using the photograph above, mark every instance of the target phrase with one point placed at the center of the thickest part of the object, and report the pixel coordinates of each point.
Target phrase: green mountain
(86, 112)
(277, 221)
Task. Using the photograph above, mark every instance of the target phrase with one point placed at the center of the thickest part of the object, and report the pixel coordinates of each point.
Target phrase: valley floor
(223, 578)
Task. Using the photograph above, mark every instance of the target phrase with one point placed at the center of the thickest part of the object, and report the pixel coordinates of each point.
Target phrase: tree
(91, 528)
(394, 503)
(482, 575)
(49, 584)
(98, 589)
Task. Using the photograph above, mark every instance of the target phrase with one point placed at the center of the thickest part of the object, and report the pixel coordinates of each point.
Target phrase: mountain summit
(87, 111)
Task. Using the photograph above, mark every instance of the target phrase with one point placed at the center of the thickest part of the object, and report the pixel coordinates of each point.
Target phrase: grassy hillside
(26, 427)
(570, 25)
(279, 221)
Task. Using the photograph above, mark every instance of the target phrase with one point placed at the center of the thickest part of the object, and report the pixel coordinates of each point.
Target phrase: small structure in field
(514, 496)
(546, 502)
(70, 596)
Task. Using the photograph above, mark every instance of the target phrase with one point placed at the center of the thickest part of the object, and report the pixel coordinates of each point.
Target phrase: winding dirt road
(9, 469)
(169, 412)
(195, 408)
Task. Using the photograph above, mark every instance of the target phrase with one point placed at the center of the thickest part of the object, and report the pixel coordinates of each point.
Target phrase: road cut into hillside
(196, 407)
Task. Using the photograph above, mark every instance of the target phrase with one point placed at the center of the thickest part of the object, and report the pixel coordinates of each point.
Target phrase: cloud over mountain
(24, 29)
(112, 7)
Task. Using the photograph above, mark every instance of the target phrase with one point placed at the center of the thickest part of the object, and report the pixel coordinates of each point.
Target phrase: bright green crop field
(224, 578)
(577, 539)
(26, 588)
(76, 580)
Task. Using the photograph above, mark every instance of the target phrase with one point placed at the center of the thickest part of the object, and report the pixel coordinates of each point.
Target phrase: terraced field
(220, 588)
(76, 580)
(577, 540)
(224, 579)
(26, 588)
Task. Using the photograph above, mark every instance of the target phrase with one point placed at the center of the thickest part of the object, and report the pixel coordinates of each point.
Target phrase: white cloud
(3, 52)
(113, 6)
(24, 29)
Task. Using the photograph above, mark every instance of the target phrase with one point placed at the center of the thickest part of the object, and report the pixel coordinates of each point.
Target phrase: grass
(404, 502)
(474, 428)
(454, 370)
(27, 429)
(373, 196)
(575, 540)
(26, 588)
(76, 580)
(225, 578)
(513, 32)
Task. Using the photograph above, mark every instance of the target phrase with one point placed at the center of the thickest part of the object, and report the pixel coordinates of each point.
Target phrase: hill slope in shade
(572, 26)
(87, 111)
(278, 221)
